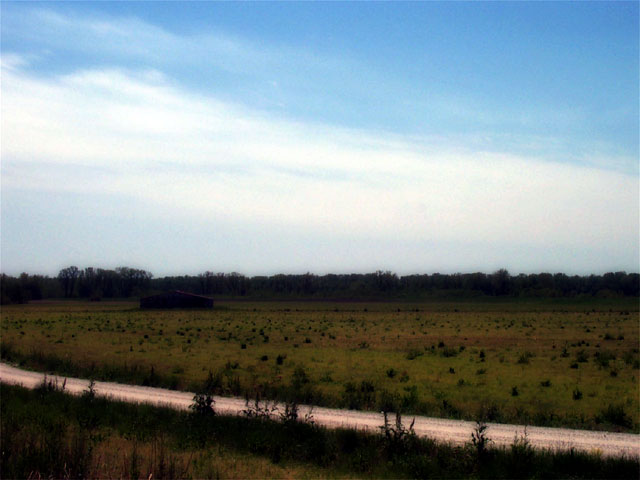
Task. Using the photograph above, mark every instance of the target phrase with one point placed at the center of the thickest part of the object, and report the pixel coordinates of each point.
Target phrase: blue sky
(292, 137)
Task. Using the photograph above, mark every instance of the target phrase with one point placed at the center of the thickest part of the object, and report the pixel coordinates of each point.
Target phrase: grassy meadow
(557, 363)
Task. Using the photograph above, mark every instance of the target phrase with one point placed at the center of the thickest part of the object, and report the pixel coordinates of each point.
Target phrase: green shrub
(525, 357)
(414, 353)
(615, 415)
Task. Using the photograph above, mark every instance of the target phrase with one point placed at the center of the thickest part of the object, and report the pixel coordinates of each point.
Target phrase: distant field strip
(453, 431)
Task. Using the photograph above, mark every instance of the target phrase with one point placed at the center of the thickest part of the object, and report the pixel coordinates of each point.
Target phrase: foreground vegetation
(552, 363)
(48, 434)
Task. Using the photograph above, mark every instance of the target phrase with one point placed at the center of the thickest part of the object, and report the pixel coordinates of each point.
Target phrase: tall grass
(46, 433)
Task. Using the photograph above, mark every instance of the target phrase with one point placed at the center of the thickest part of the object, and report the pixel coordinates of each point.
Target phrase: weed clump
(525, 358)
(615, 415)
(413, 354)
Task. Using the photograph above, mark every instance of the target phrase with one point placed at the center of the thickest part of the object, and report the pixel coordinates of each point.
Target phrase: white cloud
(137, 135)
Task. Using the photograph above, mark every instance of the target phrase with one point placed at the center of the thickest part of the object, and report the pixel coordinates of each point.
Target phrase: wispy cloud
(130, 130)
(306, 83)
(184, 151)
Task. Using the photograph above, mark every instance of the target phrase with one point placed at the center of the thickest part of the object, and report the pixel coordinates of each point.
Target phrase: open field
(565, 363)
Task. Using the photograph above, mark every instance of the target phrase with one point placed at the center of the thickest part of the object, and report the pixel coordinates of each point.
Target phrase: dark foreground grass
(48, 434)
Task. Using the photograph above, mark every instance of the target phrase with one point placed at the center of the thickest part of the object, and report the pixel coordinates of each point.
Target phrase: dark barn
(176, 299)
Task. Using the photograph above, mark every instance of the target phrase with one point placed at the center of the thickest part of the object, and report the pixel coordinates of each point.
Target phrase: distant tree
(10, 291)
(88, 282)
(501, 282)
(386, 281)
(67, 278)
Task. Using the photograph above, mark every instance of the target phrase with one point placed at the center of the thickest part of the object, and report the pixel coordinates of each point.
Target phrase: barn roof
(179, 292)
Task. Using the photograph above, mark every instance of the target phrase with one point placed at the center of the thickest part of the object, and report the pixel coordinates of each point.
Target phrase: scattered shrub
(358, 397)
(524, 358)
(480, 440)
(203, 404)
(448, 352)
(603, 358)
(413, 354)
(615, 415)
(582, 356)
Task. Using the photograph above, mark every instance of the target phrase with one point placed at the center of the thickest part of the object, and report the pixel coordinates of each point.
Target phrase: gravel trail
(443, 430)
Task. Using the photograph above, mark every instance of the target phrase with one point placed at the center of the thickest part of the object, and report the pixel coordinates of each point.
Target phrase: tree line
(125, 282)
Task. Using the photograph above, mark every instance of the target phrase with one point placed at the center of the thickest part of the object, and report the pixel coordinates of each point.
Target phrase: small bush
(582, 356)
(480, 440)
(357, 397)
(514, 391)
(615, 415)
(545, 383)
(414, 353)
(524, 358)
(577, 394)
(203, 405)
(522, 455)
(448, 352)
(603, 358)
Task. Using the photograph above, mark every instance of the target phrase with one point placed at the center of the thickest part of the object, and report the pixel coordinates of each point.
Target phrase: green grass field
(548, 362)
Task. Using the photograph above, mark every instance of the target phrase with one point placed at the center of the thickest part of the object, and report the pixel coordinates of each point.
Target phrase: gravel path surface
(453, 431)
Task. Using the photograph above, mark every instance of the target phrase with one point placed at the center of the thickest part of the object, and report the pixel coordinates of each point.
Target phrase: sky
(289, 137)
